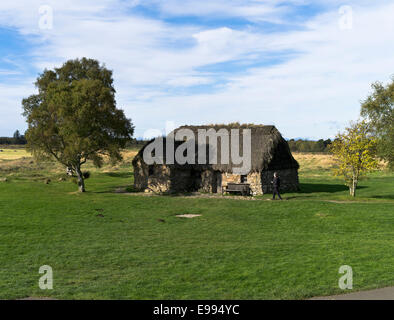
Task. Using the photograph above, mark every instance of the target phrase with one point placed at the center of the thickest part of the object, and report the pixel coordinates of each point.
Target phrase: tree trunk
(81, 182)
(353, 188)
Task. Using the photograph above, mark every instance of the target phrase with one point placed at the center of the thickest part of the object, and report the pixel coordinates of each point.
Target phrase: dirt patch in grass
(188, 215)
(344, 201)
(120, 190)
(322, 215)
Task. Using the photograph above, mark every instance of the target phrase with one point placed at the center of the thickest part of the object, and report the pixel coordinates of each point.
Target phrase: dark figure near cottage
(276, 186)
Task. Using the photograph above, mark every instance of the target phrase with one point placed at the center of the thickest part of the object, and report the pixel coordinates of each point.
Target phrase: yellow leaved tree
(355, 152)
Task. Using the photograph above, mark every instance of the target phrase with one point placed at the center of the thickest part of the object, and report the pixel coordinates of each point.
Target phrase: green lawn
(107, 245)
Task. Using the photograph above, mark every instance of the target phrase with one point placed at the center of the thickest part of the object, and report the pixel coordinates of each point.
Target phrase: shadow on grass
(119, 174)
(388, 196)
(327, 188)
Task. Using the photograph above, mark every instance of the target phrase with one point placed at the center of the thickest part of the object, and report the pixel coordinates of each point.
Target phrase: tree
(17, 135)
(355, 150)
(292, 145)
(327, 144)
(17, 138)
(319, 146)
(378, 110)
(74, 118)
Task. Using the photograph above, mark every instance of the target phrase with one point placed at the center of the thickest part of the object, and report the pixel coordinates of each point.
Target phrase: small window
(244, 179)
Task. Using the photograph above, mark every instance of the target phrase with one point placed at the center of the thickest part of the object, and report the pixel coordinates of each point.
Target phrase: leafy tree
(301, 146)
(292, 145)
(308, 145)
(378, 110)
(355, 150)
(74, 118)
(17, 138)
(319, 145)
(17, 135)
(327, 143)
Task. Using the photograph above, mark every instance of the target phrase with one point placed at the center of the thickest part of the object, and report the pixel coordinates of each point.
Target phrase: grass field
(13, 154)
(110, 245)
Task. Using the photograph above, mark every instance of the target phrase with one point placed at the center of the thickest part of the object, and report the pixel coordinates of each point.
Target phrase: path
(376, 294)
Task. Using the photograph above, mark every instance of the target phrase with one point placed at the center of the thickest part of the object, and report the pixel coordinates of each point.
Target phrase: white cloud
(267, 10)
(189, 81)
(9, 72)
(329, 72)
(11, 105)
(306, 95)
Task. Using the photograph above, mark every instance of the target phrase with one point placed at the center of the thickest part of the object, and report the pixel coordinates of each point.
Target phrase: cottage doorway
(195, 180)
(217, 182)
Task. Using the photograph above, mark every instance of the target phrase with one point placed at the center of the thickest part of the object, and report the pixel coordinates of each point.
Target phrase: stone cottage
(269, 153)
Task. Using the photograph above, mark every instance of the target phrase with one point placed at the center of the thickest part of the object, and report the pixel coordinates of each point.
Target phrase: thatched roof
(269, 151)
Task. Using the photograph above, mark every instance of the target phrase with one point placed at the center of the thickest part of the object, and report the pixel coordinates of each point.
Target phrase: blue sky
(301, 65)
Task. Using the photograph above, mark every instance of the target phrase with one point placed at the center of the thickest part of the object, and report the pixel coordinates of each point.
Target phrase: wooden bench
(243, 188)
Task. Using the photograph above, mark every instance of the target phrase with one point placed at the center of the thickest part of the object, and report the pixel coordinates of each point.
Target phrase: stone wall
(252, 178)
(152, 178)
(163, 179)
(140, 176)
(230, 178)
(207, 181)
(159, 179)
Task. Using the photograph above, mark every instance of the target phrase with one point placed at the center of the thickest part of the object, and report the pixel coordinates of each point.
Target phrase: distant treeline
(134, 143)
(309, 145)
(17, 138)
(298, 145)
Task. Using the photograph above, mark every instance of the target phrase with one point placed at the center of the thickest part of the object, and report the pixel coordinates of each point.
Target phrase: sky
(303, 66)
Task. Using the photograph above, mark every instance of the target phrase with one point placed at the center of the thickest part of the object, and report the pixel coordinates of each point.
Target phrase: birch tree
(355, 151)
